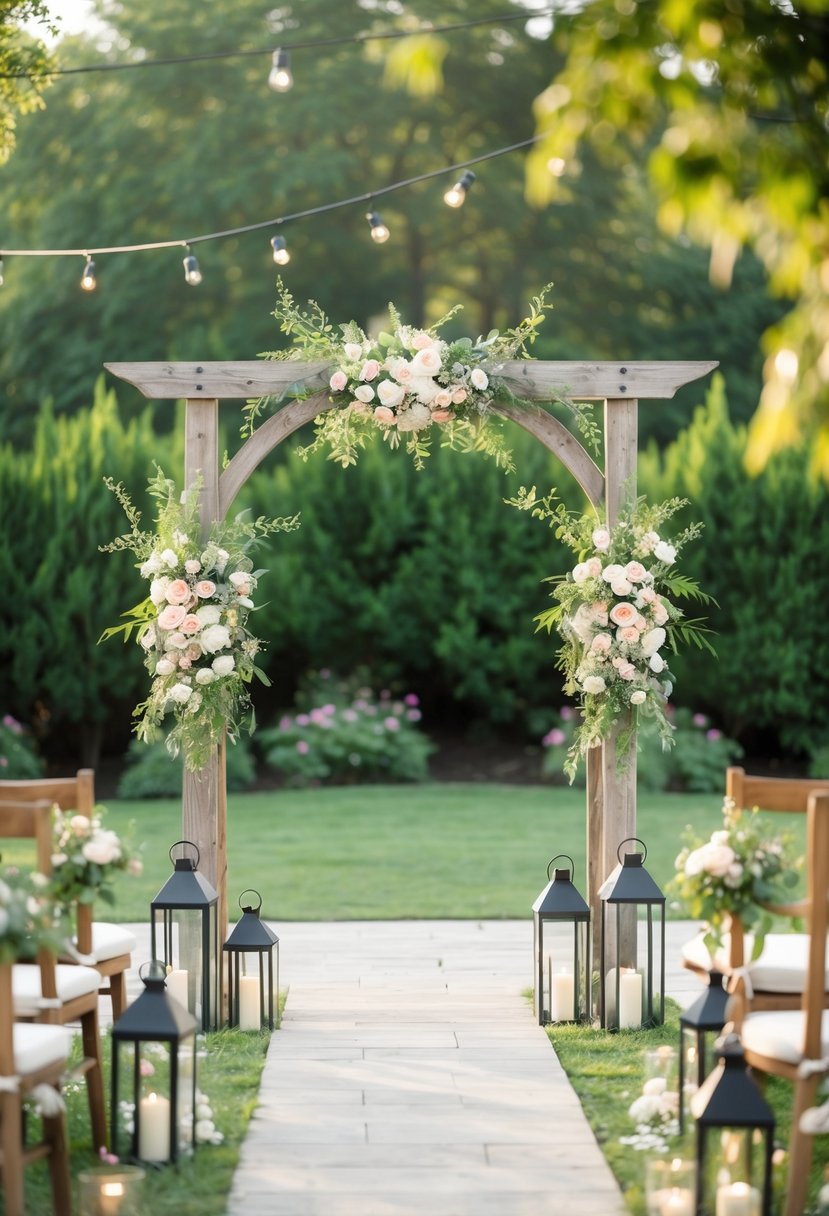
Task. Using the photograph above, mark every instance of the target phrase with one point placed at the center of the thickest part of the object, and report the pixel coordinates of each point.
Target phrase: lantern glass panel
(669, 1187)
(154, 1098)
(107, 1191)
(185, 940)
(732, 1179)
(632, 947)
(563, 953)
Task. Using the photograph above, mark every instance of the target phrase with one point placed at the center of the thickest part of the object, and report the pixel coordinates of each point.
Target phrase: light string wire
(89, 250)
(307, 44)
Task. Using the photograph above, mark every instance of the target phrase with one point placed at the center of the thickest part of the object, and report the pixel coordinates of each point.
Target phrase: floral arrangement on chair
(193, 625)
(739, 868)
(404, 381)
(618, 619)
(27, 916)
(85, 858)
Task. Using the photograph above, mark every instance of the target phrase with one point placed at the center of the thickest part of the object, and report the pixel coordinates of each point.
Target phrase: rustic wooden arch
(611, 795)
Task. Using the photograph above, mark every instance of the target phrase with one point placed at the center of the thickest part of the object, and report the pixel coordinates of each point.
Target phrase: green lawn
(387, 852)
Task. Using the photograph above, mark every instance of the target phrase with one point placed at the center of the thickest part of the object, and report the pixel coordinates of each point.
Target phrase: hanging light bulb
(281, 78)
(281, 254)
(455, 196)
(88, 280)
(379, 231)
(192, 274)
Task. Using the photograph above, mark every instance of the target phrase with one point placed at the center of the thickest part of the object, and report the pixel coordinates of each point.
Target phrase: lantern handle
(192, 846)
(250, 891)
(628, 840)
(152, 969)
(567, 856)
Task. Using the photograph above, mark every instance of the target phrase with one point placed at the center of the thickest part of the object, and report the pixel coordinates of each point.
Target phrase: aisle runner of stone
(409, 1076)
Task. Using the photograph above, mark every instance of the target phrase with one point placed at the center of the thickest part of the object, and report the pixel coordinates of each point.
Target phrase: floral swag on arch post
(618, 619)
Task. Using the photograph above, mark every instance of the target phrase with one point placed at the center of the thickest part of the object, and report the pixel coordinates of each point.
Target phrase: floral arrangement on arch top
(193, 624)
(618, 619)
(406, 382)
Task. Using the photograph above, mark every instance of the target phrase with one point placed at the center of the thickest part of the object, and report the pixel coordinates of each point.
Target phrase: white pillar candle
(630, 1000)
(111, 1198)
(562, 998)
(249, 1002)
(678, 1201)
(154, 1128)
(177, 986)
(738, 1199)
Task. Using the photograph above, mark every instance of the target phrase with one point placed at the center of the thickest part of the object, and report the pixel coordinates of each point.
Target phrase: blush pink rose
(178, 592)
(402, 371)
(442, 415)
(626, 670)
(383, 415)
(338, 382)
(426, 362)
(623, 614)
(205, 589)
(621, 586)
(443, 399)
(601, 539)
(191, 624)
(628, 634)
(369, 369)
(601, 643)
(635, 572)
(458, 395)
(660, 614)
(172, 616)
(421, 340)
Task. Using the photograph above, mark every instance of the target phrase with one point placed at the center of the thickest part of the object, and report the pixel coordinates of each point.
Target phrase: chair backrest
(788, 794)
(29, 821)
(69, 793)
(817, 868)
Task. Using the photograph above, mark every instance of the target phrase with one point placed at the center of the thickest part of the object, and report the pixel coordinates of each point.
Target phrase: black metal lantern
(734, 1138)
(705, 1017)
(632, 963)
(185, 916)
(154, 1074)
(251, 947)
(561, 932)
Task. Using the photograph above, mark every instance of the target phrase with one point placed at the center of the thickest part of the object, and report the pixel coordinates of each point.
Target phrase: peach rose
(601, 643)
(338, 382)
(442, 415)
(383, 415)
(178, 591)
(205, 589)
(628, 634)
(635, 572)
(623, 614)
(172, 616)
(426, 362)
(191, 624)
(421, 340)
(458, 395)
(369, 369)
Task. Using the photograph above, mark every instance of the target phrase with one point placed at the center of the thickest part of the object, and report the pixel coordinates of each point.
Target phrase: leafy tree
(734, 100)
(174, 151)
(24, 63)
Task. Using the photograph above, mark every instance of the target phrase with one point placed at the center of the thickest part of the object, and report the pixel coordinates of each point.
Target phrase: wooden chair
(48, 992)
(777, 977)
(795, 1043)
(106, 947)
(30, 1056)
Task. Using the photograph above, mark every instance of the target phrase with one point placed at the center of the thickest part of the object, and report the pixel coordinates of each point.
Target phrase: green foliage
(60, 592)
(759, 562)
(24, 64)
(151, 772)
(18, 758)
(344, 733)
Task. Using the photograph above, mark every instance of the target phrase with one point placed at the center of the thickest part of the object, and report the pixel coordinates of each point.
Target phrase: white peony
(478, 378)
(664, 552)
(593, 684)
(424, 389)
(180, 693)
(158, 590)
(208, 614)
(151, 566)
(164, 667)
(415, 418)
(168, 557)
(612, 572)
(652, 641)
(204, 676)
(102, 849)
(214, 638)
(223, 665)
(638, 697)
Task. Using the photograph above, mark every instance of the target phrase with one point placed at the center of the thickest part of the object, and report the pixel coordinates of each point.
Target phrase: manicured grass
(386, 852)
(607, 1073)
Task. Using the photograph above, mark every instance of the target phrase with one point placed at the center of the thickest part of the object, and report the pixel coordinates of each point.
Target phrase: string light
(281, 77)
(280, 251)
(455, 196)
(192, 274)
(379, 232)
(2, 279)
(88, 279)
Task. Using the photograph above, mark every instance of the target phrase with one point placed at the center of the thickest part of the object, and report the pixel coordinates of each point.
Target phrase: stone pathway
(409, 1076)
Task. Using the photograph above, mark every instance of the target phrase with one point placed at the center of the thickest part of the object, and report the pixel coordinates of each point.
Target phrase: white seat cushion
(780, 1035)
(781, 967)
(70, 981)
(38, 1046)
(108, 941)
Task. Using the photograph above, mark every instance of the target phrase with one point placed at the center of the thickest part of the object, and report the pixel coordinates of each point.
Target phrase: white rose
(151, 566)
(204, 676)
(164, 667)
(717, 859)
(223, 665)
(192, 565)
(427, 361)
(158, 590)
(664, 552)
(365, 392)
(581, 572)
(180, 693)
(621, 586)
(478, 378)
(168, 557)
(353, 350)
(593, 684)
(652, 640)
(215, 637)
(601, 539)
(209, 614)
(389, 393)
(102, 849)
(638, 697)
(612, 572)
